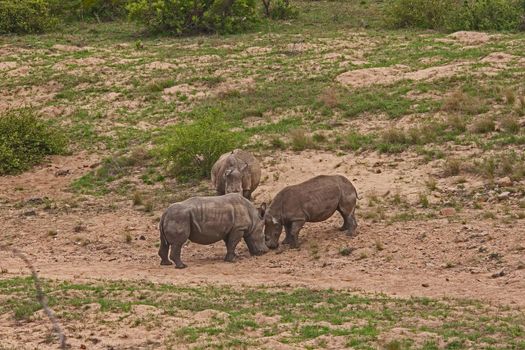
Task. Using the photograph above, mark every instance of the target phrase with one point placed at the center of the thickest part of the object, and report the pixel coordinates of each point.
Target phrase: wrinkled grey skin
(236, 172)
(206, 220)
(311, 201)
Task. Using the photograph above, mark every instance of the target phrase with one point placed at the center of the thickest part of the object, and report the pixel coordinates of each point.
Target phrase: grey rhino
(236, 172)
(206, 220)
(311, 201)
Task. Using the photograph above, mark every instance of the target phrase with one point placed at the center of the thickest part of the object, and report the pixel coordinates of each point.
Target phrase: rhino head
(255, 240)
(233, 179)
(272, 231)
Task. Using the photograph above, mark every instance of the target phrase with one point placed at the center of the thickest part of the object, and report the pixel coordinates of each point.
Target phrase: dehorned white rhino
(311, 201)
(237, 171)
(206, 220)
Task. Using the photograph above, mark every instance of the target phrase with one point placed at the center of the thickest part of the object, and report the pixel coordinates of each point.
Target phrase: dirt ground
(451, 255)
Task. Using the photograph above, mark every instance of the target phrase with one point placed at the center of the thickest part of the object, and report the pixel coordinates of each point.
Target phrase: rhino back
(313, 200)
(213, 218)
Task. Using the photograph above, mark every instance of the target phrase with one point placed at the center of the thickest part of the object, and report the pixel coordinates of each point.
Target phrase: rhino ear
(262, 210)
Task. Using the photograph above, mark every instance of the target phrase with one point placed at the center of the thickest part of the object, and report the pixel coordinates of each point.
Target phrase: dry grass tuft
(462, 102)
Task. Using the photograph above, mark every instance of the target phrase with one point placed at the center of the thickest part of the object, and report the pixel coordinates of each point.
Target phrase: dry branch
(40, 296)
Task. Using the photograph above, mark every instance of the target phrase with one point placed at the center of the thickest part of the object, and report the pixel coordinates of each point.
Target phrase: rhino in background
(236, 172)
(206, 220)
(311, 201)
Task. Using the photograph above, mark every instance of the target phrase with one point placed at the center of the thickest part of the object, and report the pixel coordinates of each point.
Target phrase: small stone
(30, 212)
(378, 171)
(498, 274)
(448, 212)
(505, 182)
(504, 196)
(82, 346)
(426, 285)
(62, 172)
(35, 200)
(142, 237)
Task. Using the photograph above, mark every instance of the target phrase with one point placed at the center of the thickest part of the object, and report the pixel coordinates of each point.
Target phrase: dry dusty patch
(28, 96)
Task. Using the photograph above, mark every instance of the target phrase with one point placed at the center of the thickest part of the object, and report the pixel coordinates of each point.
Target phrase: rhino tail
(163, 241)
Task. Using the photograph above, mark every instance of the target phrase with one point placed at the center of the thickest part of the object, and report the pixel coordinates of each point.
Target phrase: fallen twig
(40, 296)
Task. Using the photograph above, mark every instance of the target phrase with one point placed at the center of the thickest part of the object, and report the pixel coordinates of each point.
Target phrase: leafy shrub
(25, 140)
(101, 10)
(193, 16)
(25, 16)
(456, 14)
(280, 9)
(192, 149)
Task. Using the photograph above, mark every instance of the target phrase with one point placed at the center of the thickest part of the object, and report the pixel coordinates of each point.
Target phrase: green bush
(25, 16)
(194, 16)
(192, 149)
(25, 140)
(454, 15)
(280, 9)
(100, 10)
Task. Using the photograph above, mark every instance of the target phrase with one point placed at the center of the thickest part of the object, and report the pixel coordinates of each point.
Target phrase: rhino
(236, 172)
(206, 220)
(314, 200)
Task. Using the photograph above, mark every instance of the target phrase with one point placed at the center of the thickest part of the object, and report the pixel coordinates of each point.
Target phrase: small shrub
(423, 200)
(455, 15)
(25, 17)
(462, 102)
(84, 10)
(520, 107)
(279, 9)
(192, 149)
(510, 97)
(318, 137)
(356, 141)
(25, 140)
(452, 167)
(346, 251)
(510, 124)
(194, 16)
(137, 198)
(484, 125)
(457, 123)
(300, 140)
(277, 143)
(329, 98)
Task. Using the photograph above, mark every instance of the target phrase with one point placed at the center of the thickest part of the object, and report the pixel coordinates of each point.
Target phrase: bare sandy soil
(84, 238)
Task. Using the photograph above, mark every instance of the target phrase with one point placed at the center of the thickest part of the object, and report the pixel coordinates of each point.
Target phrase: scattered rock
(142, 237)
(30, 212)
(498, 274)
(426, 285)
(504, 196)
(447, 212)
(36, 200)
(505, 182)
(62, 172)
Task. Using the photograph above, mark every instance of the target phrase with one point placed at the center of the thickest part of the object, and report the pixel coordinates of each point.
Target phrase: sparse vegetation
(192, 149)
(25, 140)
(181, 17)
(25, 16)
(456, 15)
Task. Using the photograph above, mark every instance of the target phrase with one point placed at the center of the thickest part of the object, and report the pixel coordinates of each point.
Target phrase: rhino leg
(288, 238)
(347, 210)
(175, 255)
(247, 194)
(231, 243)
(163, 253)
(294, 233)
